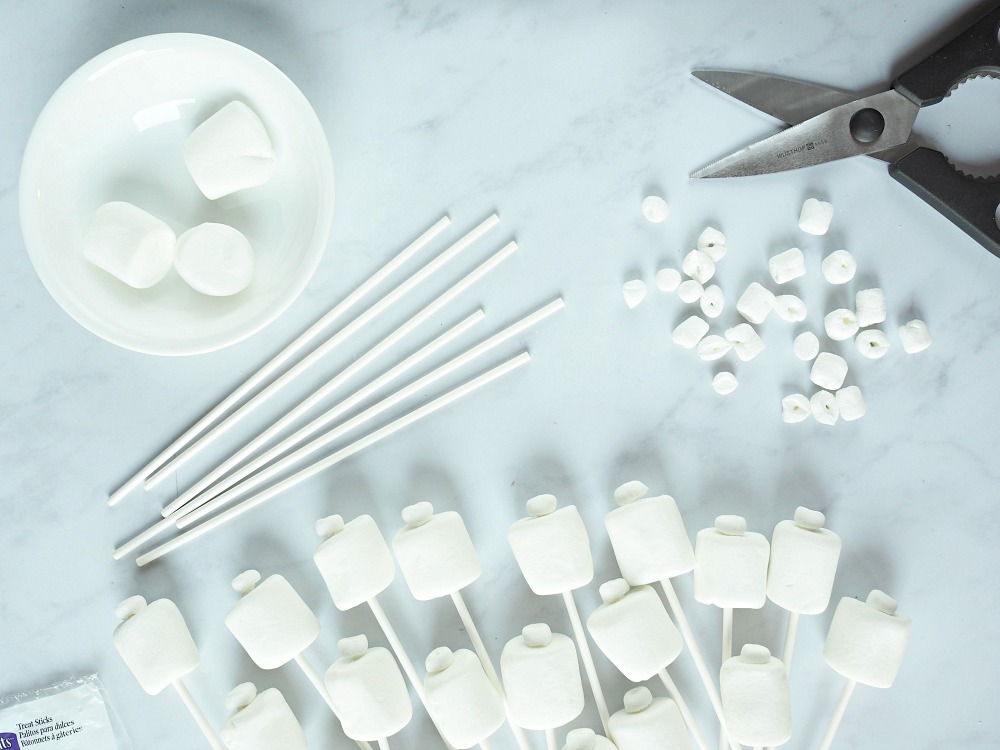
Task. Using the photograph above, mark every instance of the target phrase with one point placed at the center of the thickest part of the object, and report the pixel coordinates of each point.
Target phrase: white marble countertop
(560, 116)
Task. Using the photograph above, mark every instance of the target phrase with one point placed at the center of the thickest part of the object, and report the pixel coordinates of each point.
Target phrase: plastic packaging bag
(71, 715)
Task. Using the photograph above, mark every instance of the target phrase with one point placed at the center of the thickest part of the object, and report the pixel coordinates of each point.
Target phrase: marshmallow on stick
(462, 699)
(648, 722)
(756, 698)
(260, 720)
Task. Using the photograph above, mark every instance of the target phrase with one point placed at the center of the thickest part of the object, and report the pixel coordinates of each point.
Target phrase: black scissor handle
(975, 50)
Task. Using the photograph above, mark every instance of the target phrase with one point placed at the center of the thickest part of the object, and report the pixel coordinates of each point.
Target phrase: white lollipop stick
(321, 351)
(197, 715)
(588, 659)
(790, 633)
(682, 706)
(317, 682)
(383, 744)
(550, 740)
(484, 744)
(358, 445)
(838, 714)
(278, 360)
(727, 651)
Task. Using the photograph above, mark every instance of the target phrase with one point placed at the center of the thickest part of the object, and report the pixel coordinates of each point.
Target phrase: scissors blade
(820, 139)
(787, 100)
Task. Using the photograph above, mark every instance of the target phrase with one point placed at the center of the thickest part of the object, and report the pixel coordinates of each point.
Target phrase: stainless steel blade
(823, 138)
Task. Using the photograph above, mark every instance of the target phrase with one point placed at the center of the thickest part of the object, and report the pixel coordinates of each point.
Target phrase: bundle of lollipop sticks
(248, 477)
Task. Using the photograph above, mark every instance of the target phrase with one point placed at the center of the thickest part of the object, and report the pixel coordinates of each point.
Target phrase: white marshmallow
(730, 565)
(698, 266)
(867, 639)
(690, 291)
(746, 343)
(271, 621)
(154, 642)
(435, 552)
(712, 301)
(215, 259)
(841, 324)
(803, 563)
(756, 303)
(229, 151)
(870, 306)
(815, 216)
(551, 547)
(648, 538)
(872, 343)
(712, 242)
(725, 383)
(655, 209)
(587, 739)
(914, 336)
(795, 408)
(668, 279)
(713, 347)
(756, 700)
(460, 697)
(790, 308)
(634, 292)
(260, 720)
(828, 371)
(806, 346)
(823, 405)
(354, 560)
(633, 630)
(839, 267)
(541, 676)
(786, 266)
(367, 691)
(133, 246)
(689, 332)
(850, 403)
(648, 722)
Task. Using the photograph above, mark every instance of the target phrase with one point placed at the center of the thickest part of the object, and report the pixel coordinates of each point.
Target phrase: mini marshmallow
(271, 621)
(850, 403)
(839, 267)
(803, 564)
(713, 347)
(870, 306)
(712, 301)
(367, 691)
(133, 246)
(786, 266)
(815, 216)
(746, 342)
(260, 720)
(215, 259)
(587, 739)
(648, 722)
(154, 642)
(690, 291)
(872, 343)
(648, 537)
(698, 266)
(465, 706)
(828, 371)
(354, 560)
(756, 700)
(634, 292)
(668, 279)
(841, 324)
(229, 151)
(712, 242)
(689, 332)
(730, 565)
(823, 406)
(541, 676)
(867, 639)
(756, 303)
(914, 336)
(725, 383)
(790, 308)
(806, 346)
(655, 209)
(435, 552)
(795, 408)
(551, 547)
(632, 628)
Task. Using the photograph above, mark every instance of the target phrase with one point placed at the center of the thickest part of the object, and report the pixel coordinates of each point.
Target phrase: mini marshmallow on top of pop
(647, 722)
(587, 739)
(756, 698)
(260, 720)
(465, 704)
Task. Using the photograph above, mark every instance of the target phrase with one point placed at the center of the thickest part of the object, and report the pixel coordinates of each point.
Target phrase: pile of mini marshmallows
(228, 152)
(833, 401)
(538, 686)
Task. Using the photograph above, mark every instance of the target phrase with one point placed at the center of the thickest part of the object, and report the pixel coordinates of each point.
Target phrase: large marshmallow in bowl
(435, 552)
(229, 151)
(867, 639)
(215, 259)
(731, 565)
(154, 642)
(551, 547)
(648, 722)
(260, 720)
(132, 245)
(541, 675)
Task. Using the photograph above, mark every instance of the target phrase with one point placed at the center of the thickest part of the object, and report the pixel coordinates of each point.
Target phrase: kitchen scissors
(828, 124)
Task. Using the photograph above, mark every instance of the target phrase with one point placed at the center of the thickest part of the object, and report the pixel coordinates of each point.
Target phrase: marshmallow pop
(260, 720)
(648, 722)
(756, 698)
(156, 645)
(865, 644)
(552, 549)
(463, 701)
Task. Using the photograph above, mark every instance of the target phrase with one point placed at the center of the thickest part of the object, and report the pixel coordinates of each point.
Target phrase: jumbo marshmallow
(850, 403)
(354, 560)
(260, 720)
(914, 336)
(823, 406)
(746, 342)
(756, 303)
(541, 676)
(839, 267)
(668, 279)
(690, 291)
(786, 266)
(367, 691)
(551, 547)
(215, 259)
(795, 408)
(815, 216)
(803, 563)
(806, 346)
(699, 266)
(271, 621)
(587, 739)
(790, 308)
(872, 343)
(133, 246)
(867, 640)
(689, 332)
(435, 552)
(840, 324)
(755, 698)
(730, 565)
(154, 642)
(712, 301)
(648, 722)
(828, 371)
(230, 151)
(712, 242)
(460, 697)
(870, 306)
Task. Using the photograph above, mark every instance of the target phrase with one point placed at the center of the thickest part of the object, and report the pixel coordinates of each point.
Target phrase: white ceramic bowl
(114, 131)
